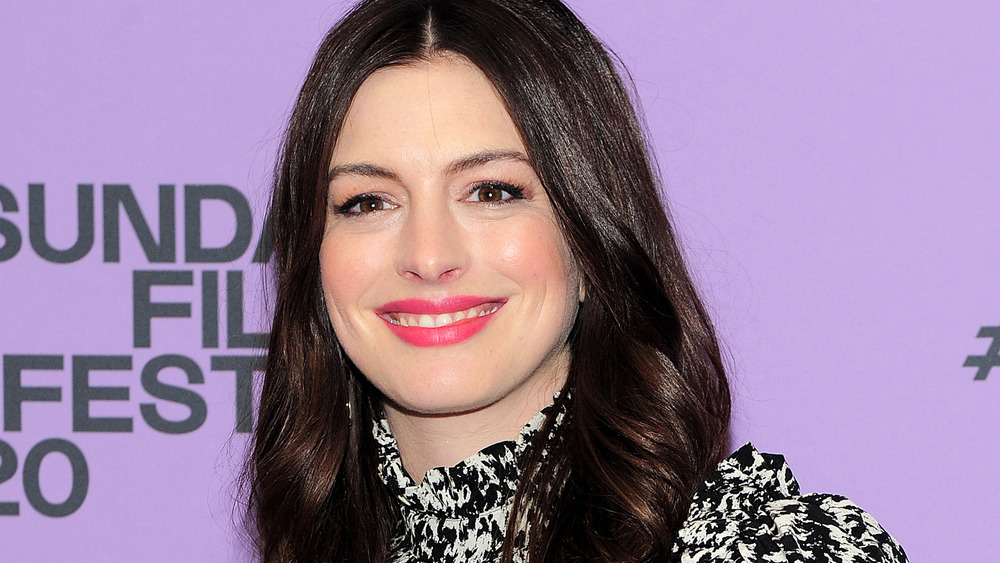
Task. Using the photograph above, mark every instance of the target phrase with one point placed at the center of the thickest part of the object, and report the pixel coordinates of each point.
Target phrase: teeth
(444, 319)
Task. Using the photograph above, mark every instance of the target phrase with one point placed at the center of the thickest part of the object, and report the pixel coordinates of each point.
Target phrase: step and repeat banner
(833, 170)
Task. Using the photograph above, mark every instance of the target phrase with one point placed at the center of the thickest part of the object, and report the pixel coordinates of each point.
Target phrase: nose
(433, 247)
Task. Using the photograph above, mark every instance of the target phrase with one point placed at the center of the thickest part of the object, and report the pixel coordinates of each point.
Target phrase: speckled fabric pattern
(456, 513)
(750, 510)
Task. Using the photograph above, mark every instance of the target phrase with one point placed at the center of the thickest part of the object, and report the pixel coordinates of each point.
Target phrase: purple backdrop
(833, 170)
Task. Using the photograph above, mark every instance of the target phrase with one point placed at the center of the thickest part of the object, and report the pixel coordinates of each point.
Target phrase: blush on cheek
(510, 252)
(532, 245)
(530, 264)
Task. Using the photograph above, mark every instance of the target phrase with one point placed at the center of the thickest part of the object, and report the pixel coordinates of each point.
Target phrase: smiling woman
(486, 345)
(448, 280)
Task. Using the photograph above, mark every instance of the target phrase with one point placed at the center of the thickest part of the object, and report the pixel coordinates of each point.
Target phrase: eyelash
(347, 208)
(514, 191)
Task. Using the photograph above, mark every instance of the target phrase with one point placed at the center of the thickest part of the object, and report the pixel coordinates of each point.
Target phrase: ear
(582, 291)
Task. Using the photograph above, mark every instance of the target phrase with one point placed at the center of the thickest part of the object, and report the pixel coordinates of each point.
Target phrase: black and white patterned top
(750, 510)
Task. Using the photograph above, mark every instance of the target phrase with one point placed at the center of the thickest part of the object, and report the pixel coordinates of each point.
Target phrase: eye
(364, 204)
(495, 192)
(368, 205)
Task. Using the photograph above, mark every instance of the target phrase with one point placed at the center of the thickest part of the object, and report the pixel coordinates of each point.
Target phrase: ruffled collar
(755, 477)
(736, 498)
(483, 482)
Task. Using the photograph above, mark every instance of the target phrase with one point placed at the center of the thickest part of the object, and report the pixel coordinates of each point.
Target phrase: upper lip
(444, 305)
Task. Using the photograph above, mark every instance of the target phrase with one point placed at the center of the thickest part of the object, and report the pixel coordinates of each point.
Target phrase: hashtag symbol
(991, 358)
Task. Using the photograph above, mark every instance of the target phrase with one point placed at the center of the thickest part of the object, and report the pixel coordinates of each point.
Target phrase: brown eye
(364, 204)
(490, 193)
(495, 192)
(370, 205)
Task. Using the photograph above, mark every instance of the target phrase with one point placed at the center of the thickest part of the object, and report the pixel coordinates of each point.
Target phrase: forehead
(441, 108)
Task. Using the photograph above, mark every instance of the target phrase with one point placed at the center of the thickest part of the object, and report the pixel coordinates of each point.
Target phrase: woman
(486, 345)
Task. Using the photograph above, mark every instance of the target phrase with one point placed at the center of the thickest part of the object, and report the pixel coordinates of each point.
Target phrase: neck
(429, 441)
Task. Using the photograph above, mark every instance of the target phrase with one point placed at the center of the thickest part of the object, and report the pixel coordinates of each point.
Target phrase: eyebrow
(361, 169)
(460, 165)
(486, 157)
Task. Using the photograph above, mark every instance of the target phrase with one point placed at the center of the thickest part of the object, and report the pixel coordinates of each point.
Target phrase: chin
(439, 403)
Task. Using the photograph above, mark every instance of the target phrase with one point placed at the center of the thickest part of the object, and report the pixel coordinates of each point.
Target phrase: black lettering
(265, 243)
(120, 195)
(194, 252)
(9, 231)
(84, 393)
(235, 337)
(32, 474)
(85, 225)
(143, 308)
(244, 366)
(174, 394)
(14, 393)
(8, 466)
(209, 309)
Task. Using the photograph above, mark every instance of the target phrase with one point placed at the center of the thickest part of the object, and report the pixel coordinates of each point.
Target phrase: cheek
(537, 253)
(331, 270)
(344, 272)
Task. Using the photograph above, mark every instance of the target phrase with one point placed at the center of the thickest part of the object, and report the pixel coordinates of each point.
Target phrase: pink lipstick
(440, 322)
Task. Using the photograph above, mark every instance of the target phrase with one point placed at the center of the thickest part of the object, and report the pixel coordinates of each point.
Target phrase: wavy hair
(649, 406)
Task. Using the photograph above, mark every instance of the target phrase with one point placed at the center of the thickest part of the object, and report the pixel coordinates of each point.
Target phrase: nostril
(431, 274)
(432, 250)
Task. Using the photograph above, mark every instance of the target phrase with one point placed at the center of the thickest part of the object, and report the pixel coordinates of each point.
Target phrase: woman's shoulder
(750, 509)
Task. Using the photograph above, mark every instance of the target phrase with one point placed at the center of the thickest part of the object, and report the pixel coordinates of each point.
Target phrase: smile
(444, 319)
(439, 323)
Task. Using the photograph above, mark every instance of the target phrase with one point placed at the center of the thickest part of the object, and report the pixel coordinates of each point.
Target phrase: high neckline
(483, 482)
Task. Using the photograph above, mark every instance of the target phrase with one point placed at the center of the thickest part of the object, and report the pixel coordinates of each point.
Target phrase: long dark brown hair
(648, 403)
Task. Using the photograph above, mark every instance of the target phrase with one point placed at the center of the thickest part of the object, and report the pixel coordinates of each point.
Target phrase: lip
(436, 306)
(398, 314)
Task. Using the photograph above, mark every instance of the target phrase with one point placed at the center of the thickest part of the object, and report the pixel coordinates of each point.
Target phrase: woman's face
(447, 278)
